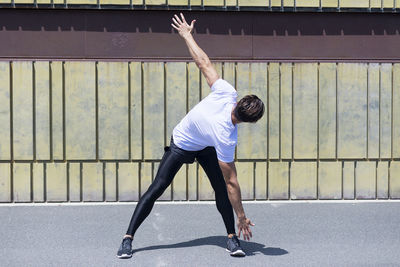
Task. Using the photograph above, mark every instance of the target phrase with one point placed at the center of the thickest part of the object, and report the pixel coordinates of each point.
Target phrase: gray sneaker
(233, 247)
(125, 250)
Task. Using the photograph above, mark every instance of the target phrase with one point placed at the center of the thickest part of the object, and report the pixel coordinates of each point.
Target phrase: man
(207, 133)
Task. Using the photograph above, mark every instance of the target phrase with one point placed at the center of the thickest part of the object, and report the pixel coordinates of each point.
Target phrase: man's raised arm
(200, 58)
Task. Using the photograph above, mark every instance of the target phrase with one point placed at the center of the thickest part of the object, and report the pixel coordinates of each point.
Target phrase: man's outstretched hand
(243, 225)
(181, 25)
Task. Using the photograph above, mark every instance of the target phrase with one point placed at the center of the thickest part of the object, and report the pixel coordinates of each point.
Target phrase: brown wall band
(124, 35)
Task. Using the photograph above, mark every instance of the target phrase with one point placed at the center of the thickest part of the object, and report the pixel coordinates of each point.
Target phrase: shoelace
(235, 241)
(126, 243)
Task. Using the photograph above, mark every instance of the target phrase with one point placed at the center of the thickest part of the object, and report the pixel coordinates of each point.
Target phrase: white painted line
(264, 202)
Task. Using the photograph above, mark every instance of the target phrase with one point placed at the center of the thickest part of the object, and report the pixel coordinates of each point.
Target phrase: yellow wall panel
(231, 2)
(114, 2)
(178, 2)
(330, 180)
(80, 109)
(5, 182)
(396, 110)
(245, 174)
(375, 3)
(42, 109)
(260, 3)
(74, 177)
(373, 110)
(307, 3)
(43, 1)
(179, 185)
(286, 110)
(386, 111)
(22, 182)
(128, 181)
(195, 2)
(192, 181)
(329, 3)
(305, 105)
(193, 85)
(365, 180)
(153, 75)
(111, 181)
(38, 182)
(23, 1)
(81, 2)
(382, 180)
(303, 180)
(138, 2)
(136, 109)
(92, 181)
(146, 174)
(204, 187)
(5, 133)
(56, 181)
(156, 2)
(176, 95)
(274, 109)
(252, 141)
(288, 3)
(354, 3)
(261, 180)
(113, 110)
(348, 180)
(213, 2)
(278, 180)
(22, 110)
(327, 110)
(57, 109)
(388, 3)
(352, 113)
(276, 3)
(5, 1)
(394, 191)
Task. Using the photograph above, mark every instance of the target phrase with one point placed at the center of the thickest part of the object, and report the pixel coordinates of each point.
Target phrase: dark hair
(249, 109)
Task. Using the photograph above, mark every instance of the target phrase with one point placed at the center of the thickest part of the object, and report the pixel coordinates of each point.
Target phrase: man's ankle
(128, 236)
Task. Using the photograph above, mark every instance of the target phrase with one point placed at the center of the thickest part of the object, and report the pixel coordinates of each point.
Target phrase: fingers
(192, 24)
(174, 20)
(183, 18)
(176, 28)
(178, 19)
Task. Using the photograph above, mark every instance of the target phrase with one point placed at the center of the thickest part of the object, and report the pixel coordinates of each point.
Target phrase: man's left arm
(234, 194)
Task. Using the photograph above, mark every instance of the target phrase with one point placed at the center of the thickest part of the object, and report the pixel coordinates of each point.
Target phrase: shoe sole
(124, 256)
(237, 253)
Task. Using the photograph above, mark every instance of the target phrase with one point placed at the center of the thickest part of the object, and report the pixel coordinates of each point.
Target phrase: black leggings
(171, 162)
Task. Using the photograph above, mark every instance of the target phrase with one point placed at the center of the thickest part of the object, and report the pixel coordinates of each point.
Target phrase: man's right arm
(199, 56)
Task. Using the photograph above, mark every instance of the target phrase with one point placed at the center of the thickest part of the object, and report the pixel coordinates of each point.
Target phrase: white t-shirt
(209, 123)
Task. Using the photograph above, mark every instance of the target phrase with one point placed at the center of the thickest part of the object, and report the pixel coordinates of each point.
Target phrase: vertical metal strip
(34, 108)
(11, 134)
(96, 79)
(267, 111)
(318, 106)
(51, 111)
(379, 117)
(280, 111)
(392, 114)
(129, 112)
(81, 181)
(117, 180)
(104, 181)
(31, 182)
(63, 113)
(68, 183)
(337, 114)
(45, 182)
(142, 106)
(368, 67)
(293, 65)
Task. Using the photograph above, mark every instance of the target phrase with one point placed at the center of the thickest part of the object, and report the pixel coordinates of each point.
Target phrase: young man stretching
(208, 133)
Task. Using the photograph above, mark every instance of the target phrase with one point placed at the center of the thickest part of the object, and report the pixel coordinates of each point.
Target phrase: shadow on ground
(251, 248)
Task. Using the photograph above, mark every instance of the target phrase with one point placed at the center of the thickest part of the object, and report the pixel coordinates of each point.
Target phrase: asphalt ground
(285, 234)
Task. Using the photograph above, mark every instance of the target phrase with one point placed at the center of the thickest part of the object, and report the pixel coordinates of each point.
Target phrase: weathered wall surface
(95, 130)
